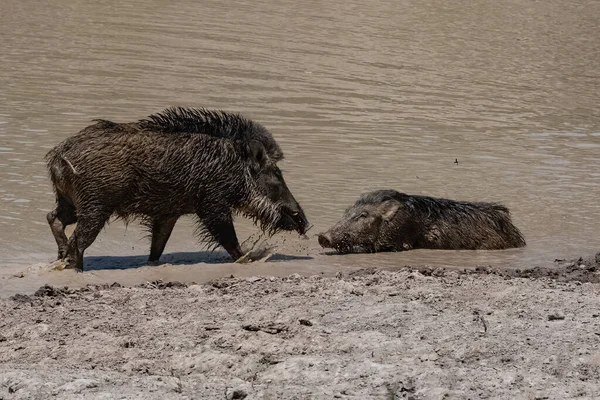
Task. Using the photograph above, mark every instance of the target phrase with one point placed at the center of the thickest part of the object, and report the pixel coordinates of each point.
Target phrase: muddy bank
(426, 334)
(579, 270)
(191, 268)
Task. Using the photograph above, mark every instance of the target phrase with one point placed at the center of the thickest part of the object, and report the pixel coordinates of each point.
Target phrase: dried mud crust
(579, 270)
(384, 335)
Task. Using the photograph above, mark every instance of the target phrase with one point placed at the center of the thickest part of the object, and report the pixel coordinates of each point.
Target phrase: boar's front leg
(161, 231)
(220, 227)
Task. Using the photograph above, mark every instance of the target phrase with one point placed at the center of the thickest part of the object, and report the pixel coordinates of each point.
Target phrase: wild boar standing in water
(180, 161)
(387, 220)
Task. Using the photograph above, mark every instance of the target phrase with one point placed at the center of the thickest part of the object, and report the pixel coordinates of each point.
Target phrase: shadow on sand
(96, 263)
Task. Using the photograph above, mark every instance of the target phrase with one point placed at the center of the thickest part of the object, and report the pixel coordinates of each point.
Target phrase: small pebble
(555, 317)
(237, 394)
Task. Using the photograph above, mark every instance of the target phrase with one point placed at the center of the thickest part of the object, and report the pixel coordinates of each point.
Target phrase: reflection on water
(360, 95)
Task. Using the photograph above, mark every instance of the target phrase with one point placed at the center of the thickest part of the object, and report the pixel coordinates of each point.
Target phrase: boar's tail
(70, 165)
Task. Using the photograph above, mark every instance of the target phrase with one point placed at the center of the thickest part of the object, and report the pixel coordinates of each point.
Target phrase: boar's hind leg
(64, 214)
(220, 228)
(88, 227)
(161, 231)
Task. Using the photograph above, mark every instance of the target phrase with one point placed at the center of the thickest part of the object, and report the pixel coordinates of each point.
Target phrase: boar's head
(370, 225)
(271, 203)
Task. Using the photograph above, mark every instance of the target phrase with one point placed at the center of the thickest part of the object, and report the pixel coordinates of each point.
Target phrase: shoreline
(26, 279)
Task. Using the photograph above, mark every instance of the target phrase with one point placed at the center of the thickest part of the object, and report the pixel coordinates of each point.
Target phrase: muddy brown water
(360, 95)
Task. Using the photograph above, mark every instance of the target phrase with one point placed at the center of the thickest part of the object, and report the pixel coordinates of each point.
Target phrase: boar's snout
(301, 221)
(325, 240)
(296, 218)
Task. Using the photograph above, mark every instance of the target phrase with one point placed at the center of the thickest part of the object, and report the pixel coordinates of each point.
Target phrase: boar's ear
(389, 209)
(258, 153)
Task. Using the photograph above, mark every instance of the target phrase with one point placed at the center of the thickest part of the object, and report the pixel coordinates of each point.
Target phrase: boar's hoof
(73, 264)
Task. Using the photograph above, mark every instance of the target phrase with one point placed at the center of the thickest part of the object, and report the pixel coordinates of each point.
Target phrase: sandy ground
(406, 334)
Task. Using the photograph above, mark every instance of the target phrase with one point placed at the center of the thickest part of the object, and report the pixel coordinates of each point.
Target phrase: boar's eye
(363, 214)
(275, 186)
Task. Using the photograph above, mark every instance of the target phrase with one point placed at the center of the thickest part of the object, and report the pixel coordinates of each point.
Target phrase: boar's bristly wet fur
(180, 161)
(387, 220)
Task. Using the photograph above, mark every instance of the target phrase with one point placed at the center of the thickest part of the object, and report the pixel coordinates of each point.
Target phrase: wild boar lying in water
(386, 220)
(180, 161)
